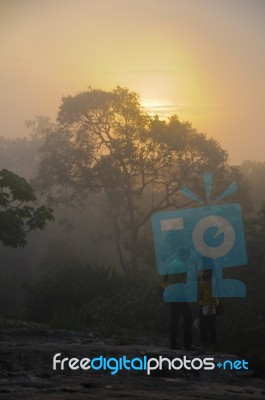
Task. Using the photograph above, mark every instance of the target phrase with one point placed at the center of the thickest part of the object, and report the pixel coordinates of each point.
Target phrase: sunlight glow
(161, 108)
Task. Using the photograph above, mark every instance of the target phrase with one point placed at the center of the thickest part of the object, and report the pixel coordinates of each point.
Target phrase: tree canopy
(17, 214)
(105, 142)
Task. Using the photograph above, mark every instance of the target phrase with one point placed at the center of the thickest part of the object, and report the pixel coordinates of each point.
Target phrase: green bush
(68, 318)
(75, 297)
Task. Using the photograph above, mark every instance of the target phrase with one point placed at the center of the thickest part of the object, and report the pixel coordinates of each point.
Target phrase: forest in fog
(104, 167)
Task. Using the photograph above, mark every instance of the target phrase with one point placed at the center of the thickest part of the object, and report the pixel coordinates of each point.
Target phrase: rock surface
(26, 372)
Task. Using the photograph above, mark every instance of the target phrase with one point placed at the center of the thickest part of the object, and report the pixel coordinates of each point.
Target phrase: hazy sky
(201, 59)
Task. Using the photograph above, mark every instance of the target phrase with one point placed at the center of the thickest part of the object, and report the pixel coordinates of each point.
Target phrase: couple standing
(208, 304)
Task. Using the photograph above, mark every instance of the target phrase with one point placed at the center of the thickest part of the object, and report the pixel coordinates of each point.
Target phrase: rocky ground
(26, 355)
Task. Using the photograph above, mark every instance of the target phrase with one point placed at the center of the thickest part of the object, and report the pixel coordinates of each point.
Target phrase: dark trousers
(178, 309)
(207, 328)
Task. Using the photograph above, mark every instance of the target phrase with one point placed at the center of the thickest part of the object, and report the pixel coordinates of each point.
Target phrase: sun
(163, 109)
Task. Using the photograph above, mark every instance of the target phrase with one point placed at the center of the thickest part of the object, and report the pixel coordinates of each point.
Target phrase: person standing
(179, 309)
(208, 306)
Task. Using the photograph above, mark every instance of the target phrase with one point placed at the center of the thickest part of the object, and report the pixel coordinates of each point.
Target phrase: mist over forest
(132, 199)
(104, 167)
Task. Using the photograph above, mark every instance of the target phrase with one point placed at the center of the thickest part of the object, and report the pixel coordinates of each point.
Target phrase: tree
(104, 142)
(16, 217)
(254, 171)
(21, 155)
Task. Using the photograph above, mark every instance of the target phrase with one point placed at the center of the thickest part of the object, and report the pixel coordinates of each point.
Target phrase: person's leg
(187, 320)
(174, 319)
(212, 329)
(203, 328)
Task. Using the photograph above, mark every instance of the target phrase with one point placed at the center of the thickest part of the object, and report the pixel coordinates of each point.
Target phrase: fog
(202, 60)
(108, 110)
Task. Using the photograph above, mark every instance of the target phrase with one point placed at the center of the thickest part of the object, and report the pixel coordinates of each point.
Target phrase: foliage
(67, 318)
(128, 165)
(73, 295)
(21, 155)
(16, 217)
(97, 297)
(105, 142)
(255, 275)
(253, 172)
